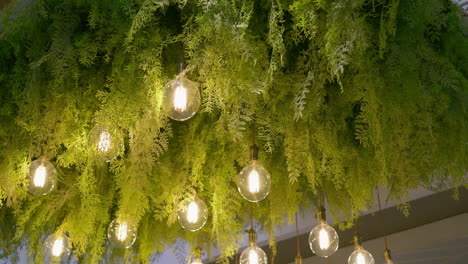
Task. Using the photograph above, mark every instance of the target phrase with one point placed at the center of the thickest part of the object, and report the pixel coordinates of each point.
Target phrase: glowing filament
(122, 232)
(180, 99)
(40, 176)
(253, 257)
(254, 182)
(192, 213)
(57, 248)
(104, 143)
(360, 259)
(324, 239)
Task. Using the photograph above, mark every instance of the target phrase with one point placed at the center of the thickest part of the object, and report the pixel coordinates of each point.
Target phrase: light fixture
(192, 214)
(105, 145)
(182, 98)
(254, 181)
(197, 258)
(42, 176)
(57, 247)
(360, 255)
(253, 254)
(121, 234)
(323, 239)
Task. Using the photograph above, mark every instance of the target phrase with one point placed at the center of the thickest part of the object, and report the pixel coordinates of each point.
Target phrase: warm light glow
(254, 181)
(122, 232)
(324, 239)
(57, 248)
(180, 99)
(192, 212)
(104, 143)
(253, 257)
(360, 259)
(40, 176)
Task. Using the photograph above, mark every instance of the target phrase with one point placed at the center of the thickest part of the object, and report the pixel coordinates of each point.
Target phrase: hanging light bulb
(181, 98)
(197, 259)
(253, 254)
(323, 239)
(106, 145)
(121, 234)
(192, 214)
(254, 182)
(57, 247)
(42, 176)
(360, 255)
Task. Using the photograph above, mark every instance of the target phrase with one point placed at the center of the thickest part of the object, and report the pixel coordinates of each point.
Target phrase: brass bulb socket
(322, 215)
(298, 259)
(198, 252)
(357, 241)
(252, 237)
(388, 256)
(253, 152)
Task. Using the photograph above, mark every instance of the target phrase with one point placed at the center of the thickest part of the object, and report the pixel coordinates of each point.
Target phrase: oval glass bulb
(253, 255)
(57, 247)
(182, 99)
(121, 234)
(105, 145)
(360, 256)
(254, 182)
(323, 240)
(192, 214)
(42, 177)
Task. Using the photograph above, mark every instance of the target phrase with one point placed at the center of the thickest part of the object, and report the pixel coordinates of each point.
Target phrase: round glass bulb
(57, 247)
(181, 99)
(192, 214)
(105, 145)
(323, 240)
(121, 234)
(253, 255)
(254, 182)
(360, 256)
(197, 261)
(42, 177)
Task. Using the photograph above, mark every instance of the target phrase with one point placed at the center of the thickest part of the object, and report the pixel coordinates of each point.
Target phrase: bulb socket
(252, 237)
(388, 256)
(321, 215)
(181, 67)
(253, 152)
(197, 253)
(298, 259)
(357, 241)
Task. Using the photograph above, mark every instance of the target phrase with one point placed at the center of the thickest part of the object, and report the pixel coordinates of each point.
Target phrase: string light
(360, 255)
(121, 233)
(253, 254)
(192, 214)
(197, 259)
(57, 247)
(105, 145)
(42, 176)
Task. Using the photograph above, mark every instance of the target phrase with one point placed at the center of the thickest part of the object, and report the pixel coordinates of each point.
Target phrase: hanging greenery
(345, 95)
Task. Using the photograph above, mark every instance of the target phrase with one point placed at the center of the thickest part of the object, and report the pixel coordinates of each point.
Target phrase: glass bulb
(323, 240)
(197, 261)
(104, 143)
(253, 255)
(181, 99)
(42, 177)
(192, 214)
(360, 256)
(57, 247)
(121, 234)
(254, 182)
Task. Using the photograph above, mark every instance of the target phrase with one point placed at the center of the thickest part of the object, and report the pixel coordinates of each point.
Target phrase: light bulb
(323, 240)
(121, 234)
(42, 177)
(253, 255)
(192, 214)
(57, 247)
(105, 143)
(197, 261)
(360, 256)
(181, 99)
(254, 182)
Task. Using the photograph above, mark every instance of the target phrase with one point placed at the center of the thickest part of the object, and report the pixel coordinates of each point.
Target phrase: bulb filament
(180, 99)
(324, 239)
(192, 213)
(122, 232)
(57, 248)
(360, 259)
(253, 257)
(40, 176)
(104, 143)
(254, 181)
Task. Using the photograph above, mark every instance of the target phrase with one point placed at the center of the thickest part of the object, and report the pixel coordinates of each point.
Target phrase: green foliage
(345, 94)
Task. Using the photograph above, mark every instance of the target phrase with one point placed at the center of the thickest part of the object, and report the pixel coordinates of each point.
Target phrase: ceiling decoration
(337, 96)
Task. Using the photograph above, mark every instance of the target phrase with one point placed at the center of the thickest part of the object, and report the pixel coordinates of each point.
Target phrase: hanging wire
(297, 238)
(382, 220)
(251, 217)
